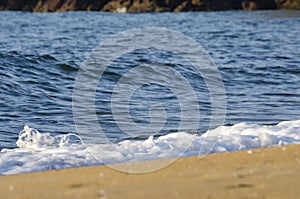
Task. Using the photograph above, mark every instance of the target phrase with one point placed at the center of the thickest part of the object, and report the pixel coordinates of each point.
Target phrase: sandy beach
(90, 89)
(261, 173)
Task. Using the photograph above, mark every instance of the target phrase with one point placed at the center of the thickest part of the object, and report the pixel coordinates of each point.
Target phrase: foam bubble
(32, 138)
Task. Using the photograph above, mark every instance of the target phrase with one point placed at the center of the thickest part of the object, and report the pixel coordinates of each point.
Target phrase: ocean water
(256, 53)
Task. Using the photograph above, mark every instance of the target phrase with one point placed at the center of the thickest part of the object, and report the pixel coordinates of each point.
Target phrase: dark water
(257, 53)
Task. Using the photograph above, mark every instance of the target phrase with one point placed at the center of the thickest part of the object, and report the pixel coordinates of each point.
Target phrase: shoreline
(260, 173)
(140, 6)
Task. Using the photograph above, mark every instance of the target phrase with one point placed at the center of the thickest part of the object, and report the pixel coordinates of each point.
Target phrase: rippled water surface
(257, 53)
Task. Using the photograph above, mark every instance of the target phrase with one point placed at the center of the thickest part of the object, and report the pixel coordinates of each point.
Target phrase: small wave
(67, 67)
(41, 151)
(32, 138)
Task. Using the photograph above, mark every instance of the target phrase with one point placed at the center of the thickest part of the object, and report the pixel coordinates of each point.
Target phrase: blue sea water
(257, 54)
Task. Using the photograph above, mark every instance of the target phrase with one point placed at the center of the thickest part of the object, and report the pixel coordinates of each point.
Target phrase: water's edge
(41, 151)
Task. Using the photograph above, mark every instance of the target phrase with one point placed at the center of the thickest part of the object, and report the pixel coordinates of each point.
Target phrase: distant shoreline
(139, 6)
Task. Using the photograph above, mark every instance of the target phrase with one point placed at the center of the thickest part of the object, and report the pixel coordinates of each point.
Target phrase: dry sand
(262, 173)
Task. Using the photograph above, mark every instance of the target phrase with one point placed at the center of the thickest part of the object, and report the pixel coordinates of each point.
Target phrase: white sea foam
(41, 151)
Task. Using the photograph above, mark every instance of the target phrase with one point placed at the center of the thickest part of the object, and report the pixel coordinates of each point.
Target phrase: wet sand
(262, 173)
